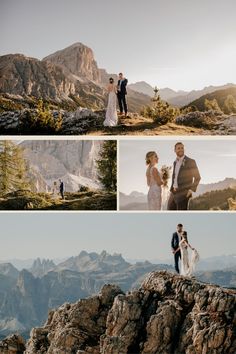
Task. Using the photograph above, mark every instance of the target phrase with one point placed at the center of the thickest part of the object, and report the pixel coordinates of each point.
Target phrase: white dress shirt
(179, 236)
(178, 164)
(119, 88)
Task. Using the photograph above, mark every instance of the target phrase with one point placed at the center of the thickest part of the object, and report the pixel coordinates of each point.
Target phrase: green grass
(90, 200)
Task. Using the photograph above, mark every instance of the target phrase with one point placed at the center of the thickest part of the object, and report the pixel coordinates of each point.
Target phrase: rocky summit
(168, 314)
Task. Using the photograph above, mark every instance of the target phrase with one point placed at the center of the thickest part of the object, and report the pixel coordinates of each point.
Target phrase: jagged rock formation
(78, 60)
(69, 76)
(13, 344)
(74, 327)
(169, 314)
(41, 267)
(21, 75)
(26, 299)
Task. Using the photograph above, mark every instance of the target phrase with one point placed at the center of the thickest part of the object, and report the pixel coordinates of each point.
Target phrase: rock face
(169, 314)
(14, 344)
(26, 297)
(78, 122)
(72, 161)
(41, 267)
(74, 327)
(21, 75)
(78, 60)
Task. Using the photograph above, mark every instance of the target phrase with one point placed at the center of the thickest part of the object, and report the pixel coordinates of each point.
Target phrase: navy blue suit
(121, 95)
(175, 245)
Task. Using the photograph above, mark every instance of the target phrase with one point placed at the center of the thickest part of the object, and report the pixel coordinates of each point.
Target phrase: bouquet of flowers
(165, 174)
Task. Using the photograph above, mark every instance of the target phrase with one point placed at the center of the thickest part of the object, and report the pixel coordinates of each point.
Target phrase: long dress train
(111, 113)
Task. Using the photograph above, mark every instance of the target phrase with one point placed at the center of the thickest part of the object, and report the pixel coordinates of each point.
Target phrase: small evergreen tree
(161, 112)
(107, 165)
(230, 104)
(12, 167)
(42, 120)
(212, 105)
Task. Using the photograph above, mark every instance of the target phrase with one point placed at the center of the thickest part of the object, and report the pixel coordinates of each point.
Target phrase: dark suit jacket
(123, 90)
(188, 177)
(175, 241)
(61, 187)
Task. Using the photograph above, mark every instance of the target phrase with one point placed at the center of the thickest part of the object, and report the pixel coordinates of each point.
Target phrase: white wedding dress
(111, 113)
(165, 194)
(154, 193)
(187, 265)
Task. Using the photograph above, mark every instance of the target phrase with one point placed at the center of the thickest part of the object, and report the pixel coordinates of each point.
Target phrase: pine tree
(161, 112)
(107, 165)
(12, 167)
(230, 104)
(212, 105)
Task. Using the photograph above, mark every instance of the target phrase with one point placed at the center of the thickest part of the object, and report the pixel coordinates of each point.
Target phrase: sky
(216, 160)
(178, 44)
(135, 236)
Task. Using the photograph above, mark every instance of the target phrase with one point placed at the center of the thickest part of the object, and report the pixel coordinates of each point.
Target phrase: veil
(193, 261)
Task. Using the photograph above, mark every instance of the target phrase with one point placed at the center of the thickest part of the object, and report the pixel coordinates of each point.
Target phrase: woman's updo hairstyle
(148, 157)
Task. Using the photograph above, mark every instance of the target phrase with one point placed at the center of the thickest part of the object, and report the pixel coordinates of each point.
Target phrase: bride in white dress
(154, 181)
(187, 264)
(111, 113)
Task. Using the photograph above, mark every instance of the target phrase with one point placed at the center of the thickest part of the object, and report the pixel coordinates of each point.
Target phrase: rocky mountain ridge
(168, 314)
(70, 74)
(178, 98)
(26, 296)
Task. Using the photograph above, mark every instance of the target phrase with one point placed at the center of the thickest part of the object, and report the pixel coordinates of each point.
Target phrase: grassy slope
(219, 95)
(92, 200)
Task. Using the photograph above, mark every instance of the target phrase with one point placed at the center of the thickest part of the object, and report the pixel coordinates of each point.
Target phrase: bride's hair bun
(148, 156)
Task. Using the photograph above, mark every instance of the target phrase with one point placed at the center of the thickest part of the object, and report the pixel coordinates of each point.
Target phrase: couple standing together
(180, 246)
(185, 180)
(116, 91)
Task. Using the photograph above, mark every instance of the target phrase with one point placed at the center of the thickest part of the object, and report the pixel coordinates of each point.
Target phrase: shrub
(41, 120)
(161, 112)
(198, 119)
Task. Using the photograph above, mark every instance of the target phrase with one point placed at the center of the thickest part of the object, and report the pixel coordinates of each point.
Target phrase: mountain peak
(78, 60)
(114, 322)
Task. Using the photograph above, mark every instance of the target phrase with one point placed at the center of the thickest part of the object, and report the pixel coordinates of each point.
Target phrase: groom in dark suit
(176, 238)
(185, 180)
(121, 93)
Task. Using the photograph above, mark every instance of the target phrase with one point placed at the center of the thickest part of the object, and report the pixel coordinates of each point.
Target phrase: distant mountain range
(183, 98)
(138, 201)
(220, 95)
(167, 314)
(27, 295)
(70, 74)
(72, 161)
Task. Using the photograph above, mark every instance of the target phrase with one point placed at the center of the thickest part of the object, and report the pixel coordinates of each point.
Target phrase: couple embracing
(116, 92)
(185, 180)
(180, 246)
